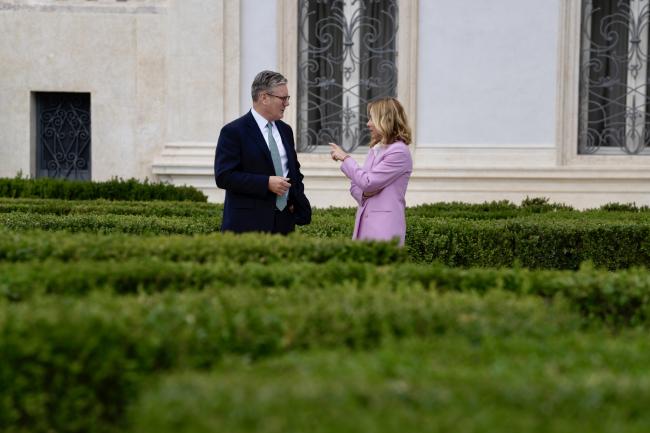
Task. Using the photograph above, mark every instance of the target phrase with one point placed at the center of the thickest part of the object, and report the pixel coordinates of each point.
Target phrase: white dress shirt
(261, 123)
(379, 149)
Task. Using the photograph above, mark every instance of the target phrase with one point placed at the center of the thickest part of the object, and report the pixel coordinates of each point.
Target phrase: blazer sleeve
(228, 164)
(355, 190)
(393, 165)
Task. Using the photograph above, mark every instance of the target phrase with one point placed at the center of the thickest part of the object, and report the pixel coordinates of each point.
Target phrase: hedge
(75, 365)
(533, 243)
(107, 223)
(552, 239)
(577, 383)
(115, 189)
(488, 210)
(491, 210)
(156, 208)
(615, 298)
(144, 224)
(250, 247)
(540, 243)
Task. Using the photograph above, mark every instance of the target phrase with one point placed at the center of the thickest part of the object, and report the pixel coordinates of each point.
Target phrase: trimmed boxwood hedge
(115, 189)
(75, 361)
(74, 365)
(544, 243)
(157, 208)
(619, 298)
(586, 382)
(533, 242)
(109, 223)
(249, 247)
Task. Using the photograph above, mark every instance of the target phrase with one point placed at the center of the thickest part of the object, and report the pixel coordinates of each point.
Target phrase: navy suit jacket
(242, 166)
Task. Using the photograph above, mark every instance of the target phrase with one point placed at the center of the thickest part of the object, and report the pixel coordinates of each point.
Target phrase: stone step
(191, 149)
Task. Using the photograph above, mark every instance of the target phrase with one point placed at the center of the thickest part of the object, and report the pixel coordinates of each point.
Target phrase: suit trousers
(283, 221)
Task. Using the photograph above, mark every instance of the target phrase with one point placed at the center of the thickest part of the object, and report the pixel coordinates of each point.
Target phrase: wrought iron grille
(63, 135)
(347, 57)
(614, 100)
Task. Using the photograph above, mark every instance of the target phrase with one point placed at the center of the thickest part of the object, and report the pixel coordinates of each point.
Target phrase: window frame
(568, 96)
(407, 54)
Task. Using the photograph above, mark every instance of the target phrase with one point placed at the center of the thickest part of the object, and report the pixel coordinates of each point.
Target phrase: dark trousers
(283, 222)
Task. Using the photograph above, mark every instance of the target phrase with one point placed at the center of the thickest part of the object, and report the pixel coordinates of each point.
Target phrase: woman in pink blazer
(380, 185)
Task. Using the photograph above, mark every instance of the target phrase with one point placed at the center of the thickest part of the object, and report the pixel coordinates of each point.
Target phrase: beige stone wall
(165, 76)
(113, 50)
(158, 71)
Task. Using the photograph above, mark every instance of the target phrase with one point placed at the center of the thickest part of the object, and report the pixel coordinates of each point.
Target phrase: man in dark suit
(257, 165)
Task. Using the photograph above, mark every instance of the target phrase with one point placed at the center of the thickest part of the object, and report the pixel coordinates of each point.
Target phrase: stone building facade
(503, 96)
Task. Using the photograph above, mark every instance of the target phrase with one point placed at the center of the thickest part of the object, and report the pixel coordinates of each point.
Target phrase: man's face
(275, 101)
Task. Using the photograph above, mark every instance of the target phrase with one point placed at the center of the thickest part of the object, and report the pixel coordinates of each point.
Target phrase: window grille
(347, 57)
(613, 116)
(63, 135)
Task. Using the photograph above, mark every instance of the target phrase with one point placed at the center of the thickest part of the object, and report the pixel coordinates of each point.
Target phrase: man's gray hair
(265, 81)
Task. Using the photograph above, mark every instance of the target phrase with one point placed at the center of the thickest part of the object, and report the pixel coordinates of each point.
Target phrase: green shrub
(250, 247)
(575, 383)
(620, 207)
(551, 239)
(74, 365)
(107, 207)
(538, 243)
(615, 298)
(487, 210)
(115, 189)
(108, 223)
(530, 242)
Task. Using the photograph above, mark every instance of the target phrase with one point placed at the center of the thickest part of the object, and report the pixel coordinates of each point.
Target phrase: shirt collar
(261, 121)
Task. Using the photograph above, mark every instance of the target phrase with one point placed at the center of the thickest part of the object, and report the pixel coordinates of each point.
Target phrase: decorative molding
(86, 6)
(567, 100)
(497, 146)
(191, 163)
(579, 187)
(287, 37)
(407, 60)
(472, 155)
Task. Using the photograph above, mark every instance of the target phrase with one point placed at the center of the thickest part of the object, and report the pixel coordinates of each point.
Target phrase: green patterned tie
(281, 200)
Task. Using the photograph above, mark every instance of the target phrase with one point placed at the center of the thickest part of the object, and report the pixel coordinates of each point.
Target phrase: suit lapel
(258, 138)
(287, 148)
(370, 161)
(383, 153)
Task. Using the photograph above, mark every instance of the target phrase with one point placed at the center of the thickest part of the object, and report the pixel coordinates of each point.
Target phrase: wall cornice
(85, 6)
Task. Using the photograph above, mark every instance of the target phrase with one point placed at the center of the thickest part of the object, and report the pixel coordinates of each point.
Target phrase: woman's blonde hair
(390, 121)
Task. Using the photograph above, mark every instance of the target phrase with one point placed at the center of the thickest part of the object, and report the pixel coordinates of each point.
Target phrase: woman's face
(373, 131)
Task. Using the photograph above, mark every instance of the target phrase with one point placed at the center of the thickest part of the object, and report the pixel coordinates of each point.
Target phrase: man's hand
(279, 185)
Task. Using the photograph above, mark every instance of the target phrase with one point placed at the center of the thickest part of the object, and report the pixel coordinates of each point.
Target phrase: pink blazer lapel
(370, 160)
